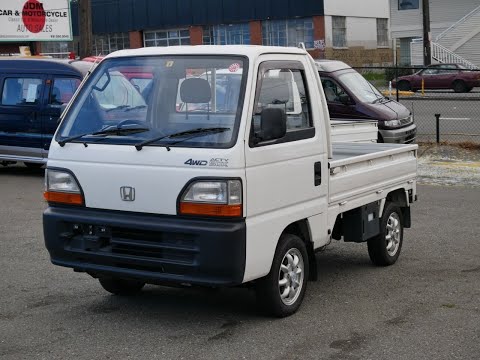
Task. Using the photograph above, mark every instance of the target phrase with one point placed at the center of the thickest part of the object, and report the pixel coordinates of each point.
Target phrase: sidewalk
(448, 165)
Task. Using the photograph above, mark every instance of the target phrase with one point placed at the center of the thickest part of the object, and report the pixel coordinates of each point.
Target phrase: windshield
(359, 86)
(175, 94)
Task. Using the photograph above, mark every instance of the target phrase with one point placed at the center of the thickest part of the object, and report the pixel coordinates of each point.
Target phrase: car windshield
(359, 86)
(176, 94)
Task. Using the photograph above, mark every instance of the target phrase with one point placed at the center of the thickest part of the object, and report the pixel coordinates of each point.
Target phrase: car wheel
(460, 87)
(33, 165)
(403, 85)
(118, 286)
(281, 292)
(384, 249)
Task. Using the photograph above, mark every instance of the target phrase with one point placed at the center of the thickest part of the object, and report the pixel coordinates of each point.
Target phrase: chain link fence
(444, 98)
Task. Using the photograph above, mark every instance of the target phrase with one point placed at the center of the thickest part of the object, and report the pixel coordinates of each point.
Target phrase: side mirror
(344, 99)
(273, 124)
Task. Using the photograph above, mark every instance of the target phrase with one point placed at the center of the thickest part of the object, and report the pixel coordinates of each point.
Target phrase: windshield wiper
(136, 107)
(109, 130)
(193, 132)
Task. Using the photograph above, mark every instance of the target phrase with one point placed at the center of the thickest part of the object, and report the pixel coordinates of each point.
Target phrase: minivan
(351, 97)
(33, 94)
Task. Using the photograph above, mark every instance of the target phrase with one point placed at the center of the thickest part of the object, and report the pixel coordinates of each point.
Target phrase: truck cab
(216, 180)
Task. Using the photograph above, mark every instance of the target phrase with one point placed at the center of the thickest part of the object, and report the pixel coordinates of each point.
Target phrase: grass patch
(466, 145)
(374, 76)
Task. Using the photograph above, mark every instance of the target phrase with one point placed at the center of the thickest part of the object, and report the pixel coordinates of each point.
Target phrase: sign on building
(35, 20)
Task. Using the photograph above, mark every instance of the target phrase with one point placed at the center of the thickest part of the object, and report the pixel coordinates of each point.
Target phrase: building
(357, 32)
(454, 25)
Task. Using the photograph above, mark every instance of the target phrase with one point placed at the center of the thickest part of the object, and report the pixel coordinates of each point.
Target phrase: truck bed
(360, 169)
(353, 130)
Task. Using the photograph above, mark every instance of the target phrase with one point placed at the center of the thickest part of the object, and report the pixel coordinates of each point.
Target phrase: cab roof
(42, 66)
(245, 50)
(331, 65)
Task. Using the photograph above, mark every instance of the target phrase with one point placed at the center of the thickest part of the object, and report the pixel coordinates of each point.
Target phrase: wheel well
(302, 230)
(398, 197)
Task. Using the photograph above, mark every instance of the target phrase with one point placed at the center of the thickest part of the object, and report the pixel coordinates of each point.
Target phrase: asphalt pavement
(426, 306)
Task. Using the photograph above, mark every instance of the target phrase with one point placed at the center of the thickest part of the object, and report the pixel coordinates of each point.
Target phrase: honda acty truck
(217, 181)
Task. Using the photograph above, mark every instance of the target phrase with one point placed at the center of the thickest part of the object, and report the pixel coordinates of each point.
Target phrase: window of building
(21, 91)
(106, 43)
(408, 4)
(63, 90)
(339, 30)
(382, 32)
(232, 34)
(288, 32)
(59, 49)
(167, 37)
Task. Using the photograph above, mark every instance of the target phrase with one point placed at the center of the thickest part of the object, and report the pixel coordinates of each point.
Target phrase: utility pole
(427, 50)
(85, 22)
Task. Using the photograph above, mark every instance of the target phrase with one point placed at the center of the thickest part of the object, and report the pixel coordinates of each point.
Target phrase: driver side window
(332, 90)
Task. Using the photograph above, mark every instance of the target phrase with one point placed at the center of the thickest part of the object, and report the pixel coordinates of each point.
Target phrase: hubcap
(290, 276)
(393, 235)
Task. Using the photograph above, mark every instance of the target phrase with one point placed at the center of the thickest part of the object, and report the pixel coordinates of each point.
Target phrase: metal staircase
(457, 44)
(443, 55)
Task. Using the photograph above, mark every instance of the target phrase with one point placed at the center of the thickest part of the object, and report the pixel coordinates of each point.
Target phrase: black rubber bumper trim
(216, 256)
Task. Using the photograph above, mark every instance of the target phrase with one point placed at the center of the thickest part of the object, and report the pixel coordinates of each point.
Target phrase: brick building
(357, 32)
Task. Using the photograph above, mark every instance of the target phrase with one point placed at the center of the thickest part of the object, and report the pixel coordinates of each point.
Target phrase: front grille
(130, 248)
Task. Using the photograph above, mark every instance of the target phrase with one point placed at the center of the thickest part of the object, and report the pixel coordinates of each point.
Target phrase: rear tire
(384, 249)
(404, 86)
(281, 292)
(459, 86)
(123, 287)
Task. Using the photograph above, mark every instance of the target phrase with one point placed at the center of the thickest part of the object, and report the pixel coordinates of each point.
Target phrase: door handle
(317, 169)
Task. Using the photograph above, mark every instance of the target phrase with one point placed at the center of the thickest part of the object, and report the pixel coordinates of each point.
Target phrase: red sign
(33, 16)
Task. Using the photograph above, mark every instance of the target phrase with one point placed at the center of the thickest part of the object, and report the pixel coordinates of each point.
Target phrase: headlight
(61, 187)
(392, 123)
(212, 198)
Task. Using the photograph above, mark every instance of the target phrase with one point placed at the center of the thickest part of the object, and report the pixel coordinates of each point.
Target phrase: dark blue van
(33, 94)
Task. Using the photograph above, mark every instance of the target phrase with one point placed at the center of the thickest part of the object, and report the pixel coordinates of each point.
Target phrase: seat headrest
(195, 90)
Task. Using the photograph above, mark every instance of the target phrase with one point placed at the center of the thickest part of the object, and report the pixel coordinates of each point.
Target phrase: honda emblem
(127, 193)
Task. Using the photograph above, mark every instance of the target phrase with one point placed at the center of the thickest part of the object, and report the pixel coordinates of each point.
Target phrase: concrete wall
(364, 8)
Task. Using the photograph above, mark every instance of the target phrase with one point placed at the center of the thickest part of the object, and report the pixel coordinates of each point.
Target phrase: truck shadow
(159, 302)
(21, 170)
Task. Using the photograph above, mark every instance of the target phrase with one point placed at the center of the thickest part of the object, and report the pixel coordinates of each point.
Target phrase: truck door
(20, 125)
(287, 178)
(59, 93)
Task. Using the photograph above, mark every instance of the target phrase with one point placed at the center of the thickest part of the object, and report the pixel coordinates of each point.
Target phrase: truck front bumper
(152, 248)
(405, 135)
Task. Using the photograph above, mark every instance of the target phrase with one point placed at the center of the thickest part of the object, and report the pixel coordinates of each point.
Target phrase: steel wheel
(384, 249)
(393, 234)
(290, 276)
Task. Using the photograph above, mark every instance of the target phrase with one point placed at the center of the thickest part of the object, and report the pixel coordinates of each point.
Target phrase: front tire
(281, 292)
(384, 249)
(123, 287)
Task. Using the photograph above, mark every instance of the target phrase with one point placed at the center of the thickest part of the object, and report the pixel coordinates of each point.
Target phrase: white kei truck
(201, 178)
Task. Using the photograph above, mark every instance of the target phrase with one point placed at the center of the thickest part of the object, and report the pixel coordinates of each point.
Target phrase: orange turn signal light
(63, 198)
(224, 210)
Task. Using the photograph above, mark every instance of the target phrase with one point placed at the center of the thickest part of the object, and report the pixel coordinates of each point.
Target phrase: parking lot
(424, 307)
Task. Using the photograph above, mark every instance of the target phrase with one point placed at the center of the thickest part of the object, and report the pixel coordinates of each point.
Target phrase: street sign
(34, 20)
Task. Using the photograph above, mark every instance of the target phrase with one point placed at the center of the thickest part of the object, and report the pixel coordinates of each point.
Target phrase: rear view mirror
(344, 99)
(273, 124)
